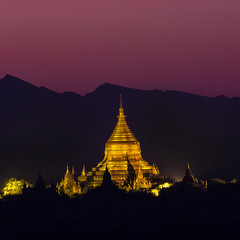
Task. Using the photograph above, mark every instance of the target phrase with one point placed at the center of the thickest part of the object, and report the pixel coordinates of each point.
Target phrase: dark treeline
(179, 212)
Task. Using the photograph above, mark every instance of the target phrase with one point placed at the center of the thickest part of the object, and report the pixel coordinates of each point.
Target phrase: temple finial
(121, 111)
(73, 170)
(188, 178)
(188, 170)
(120, 100)
(83, 174)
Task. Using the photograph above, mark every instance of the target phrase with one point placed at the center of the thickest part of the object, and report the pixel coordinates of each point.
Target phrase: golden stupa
(122, 156)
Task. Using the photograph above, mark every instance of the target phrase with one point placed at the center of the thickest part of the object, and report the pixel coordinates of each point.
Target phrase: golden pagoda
(122, 156)
(68, 184)
(141, 181)
(83, 177)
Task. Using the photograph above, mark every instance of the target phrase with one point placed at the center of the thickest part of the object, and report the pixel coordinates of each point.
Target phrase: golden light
(155, 192)
(124, 161)
(165, 185)
(14, 186)
(122, 151)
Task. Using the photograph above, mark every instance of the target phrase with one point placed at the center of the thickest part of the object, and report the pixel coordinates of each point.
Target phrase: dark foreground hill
(180, 212)
(44, 130)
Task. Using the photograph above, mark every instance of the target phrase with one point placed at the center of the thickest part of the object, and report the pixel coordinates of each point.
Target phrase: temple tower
(68, 184)
(83, 177)
(121, 149)
(188, 178)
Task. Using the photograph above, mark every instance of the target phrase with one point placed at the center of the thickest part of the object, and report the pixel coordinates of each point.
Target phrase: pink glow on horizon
(75, 45)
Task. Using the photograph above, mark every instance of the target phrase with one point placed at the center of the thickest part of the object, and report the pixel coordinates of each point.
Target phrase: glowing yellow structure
(141, 181)
(68, 184)
(123, 157)
(14, 186)
(83, 177)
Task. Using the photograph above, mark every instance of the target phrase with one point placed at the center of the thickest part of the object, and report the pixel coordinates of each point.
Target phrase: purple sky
(75, 45)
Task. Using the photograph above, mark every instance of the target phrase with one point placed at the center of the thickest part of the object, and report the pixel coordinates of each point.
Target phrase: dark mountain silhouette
(44, 130)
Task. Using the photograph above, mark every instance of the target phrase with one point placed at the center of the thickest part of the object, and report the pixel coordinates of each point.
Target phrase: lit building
(83, 177)
(123, 159)
(68, 185)
(141, 181)
(14, 186)
(124, 162)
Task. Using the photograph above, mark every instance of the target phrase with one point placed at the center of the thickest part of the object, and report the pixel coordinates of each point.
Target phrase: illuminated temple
(123, 160)
(122, 156)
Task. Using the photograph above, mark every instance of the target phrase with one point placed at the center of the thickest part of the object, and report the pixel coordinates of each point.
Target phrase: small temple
(122, 159)
(189, 178)
(68, 185)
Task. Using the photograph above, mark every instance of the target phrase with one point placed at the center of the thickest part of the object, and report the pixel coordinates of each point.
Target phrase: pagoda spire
(122, 132)
(155, 169)
(140, 173)
(121, 101)
(188, 178)
(188, 170)
(73, 171)
(40, 183)
(121, 115)
(107, 176)
(83, 174)
(67, 172)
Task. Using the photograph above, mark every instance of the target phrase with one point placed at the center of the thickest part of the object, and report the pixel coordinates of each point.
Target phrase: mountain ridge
(43, 129)
(105, 85)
